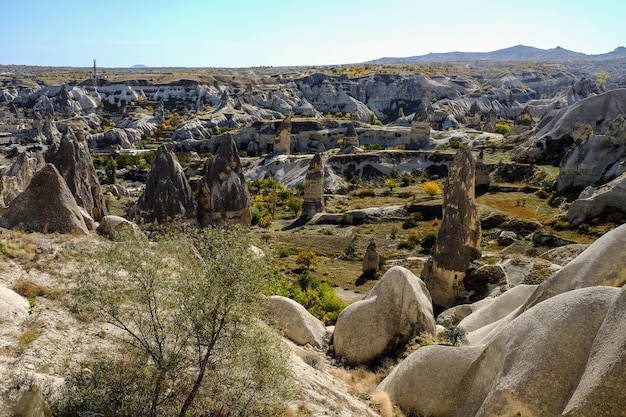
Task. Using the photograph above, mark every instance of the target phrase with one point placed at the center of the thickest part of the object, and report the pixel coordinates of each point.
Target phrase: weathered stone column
(314, 188)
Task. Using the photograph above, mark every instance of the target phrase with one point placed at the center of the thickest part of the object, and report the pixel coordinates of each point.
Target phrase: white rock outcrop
(396, 309)
(295, 322)
(563, 357)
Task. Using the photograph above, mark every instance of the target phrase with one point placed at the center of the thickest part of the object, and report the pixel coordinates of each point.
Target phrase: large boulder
(296, 323)
(47, 205)
(398, 308)
(18, 175)
(167, 195)
(223, 196)
(510, 376)
(116, 226)
(72, 159)
(594, 202)
(12, 305)
(458, 239)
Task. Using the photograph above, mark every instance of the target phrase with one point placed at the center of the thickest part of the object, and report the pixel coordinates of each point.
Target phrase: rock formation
(116, 226)
(313, 189)
(350, 139)
(593, 202)
(295, 322)
(371, 260)
(115, 138)
(18, 175)
(596, 157)
(47, 205)
(398, 308)
(72, 159)
(482, 178)
(458, 239)
(574, 366)
(223, 196)
(554, 136)
(420, 126)
(167, 195)
(282, 143)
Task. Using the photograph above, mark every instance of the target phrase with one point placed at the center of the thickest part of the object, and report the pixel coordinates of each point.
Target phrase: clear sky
(238, 33)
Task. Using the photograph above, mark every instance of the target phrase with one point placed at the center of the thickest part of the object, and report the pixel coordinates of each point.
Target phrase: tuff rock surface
(568, 369)
(397, 308)
(458, 239)
(72, 159)
(18, 175)
(593, 202)
(313, 189)
(167, 195)
(295, 322)
(223, 196)
(47, 205)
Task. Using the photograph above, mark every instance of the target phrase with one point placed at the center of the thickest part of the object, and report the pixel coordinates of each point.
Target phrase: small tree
(187, 307)
(400, 112)
(111, 171)
(392, 183)
(295, 204)
(432, 188)
(308, 259)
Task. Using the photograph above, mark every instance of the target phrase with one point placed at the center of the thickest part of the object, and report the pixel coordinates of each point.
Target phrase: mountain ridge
(513, 53)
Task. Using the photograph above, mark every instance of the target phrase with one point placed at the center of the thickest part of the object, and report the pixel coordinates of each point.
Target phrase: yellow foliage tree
(432, 188)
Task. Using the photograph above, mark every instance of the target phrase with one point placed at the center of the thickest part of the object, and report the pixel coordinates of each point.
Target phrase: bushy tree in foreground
(191, 343)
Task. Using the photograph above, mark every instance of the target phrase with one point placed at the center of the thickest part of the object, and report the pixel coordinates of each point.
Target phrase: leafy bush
(428, 243)
(432, 188)
(502, 129)
(455, 336)
(375, 147)
(319, 298)
(411, 241)
(412, 220)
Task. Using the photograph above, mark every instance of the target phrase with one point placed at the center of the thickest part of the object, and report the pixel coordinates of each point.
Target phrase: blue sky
(217, 33)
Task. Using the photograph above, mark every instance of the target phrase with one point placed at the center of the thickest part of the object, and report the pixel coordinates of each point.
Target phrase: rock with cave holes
(223, 196)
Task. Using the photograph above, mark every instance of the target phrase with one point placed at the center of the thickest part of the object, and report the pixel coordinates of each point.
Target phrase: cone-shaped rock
(223, 196)
(458, 239)
(47, 205)
(371, 259)
(18, 176)
(282, 142)
(313, 188)
(168, 195)
(72, 159)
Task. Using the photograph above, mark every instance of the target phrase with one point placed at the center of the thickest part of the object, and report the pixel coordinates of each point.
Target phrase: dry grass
(30, 289)
(29, 335)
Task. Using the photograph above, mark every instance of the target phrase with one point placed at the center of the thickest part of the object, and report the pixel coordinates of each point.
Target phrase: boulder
(18, 175)
(296, 323)
(507, 238)
(431, 381)
(167, 195)
(453, 315)
(116, 137)
(398, 308)
(114, 226)
(72, 159)
(458, 239)
(12, 305)
(611, 196)
(509, 376)
(223, 196)
(47, 205)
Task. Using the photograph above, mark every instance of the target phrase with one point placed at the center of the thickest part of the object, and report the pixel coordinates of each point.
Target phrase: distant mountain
(139, 66)
(514, 53)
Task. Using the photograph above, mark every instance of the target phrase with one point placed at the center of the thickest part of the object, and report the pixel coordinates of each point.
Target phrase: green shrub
(502, 129)
(375, 147)
(412, 220)
(319, 298)
(367, 192)
(455, 336)
(428, 243)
